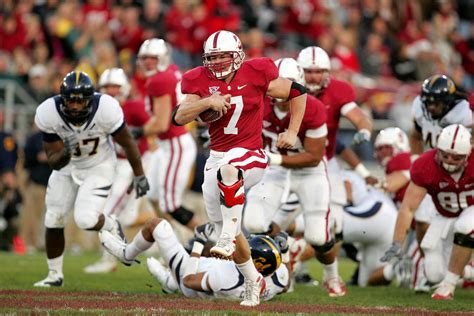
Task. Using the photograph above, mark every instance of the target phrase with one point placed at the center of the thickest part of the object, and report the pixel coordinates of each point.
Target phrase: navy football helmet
(76, 91)
(438, 91)
(266, 254)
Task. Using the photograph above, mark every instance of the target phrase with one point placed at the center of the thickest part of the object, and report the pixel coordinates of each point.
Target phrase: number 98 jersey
(95, 146)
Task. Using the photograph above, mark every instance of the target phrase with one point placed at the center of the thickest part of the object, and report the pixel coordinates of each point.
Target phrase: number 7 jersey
(242, 125)
(95, 145)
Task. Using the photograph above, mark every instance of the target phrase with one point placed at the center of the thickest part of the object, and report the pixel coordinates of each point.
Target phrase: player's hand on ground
(203, 232)
(393, 253)
(219, 102)
(287, 139)
(141, 185)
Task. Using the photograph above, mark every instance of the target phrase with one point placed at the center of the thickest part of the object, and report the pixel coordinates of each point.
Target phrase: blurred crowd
(385, 48)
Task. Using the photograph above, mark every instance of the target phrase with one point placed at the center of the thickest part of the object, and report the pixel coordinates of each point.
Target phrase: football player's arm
(396, 180)
(193, 105)
(312, 155)
(57, 154)
(360, 120)
(124, 139)
(351, 158)
(416, 140)
(161, 119)
(191, 278)
(283, 88)
(411, 201)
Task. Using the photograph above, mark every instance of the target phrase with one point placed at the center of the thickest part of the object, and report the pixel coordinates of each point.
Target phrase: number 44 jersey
(94, 144)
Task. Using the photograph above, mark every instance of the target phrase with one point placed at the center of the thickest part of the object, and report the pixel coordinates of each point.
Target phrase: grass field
(131, 290)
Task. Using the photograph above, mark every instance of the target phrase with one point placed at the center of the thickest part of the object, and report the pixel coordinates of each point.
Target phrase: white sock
(388, 272)
(248, 270)
(330, 270)
(451, 278)
(137, 246)
(55, 265)
(109, 223)
(468, 273)
(231, 220)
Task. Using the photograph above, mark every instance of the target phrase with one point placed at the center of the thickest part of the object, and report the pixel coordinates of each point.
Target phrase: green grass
(20, 272)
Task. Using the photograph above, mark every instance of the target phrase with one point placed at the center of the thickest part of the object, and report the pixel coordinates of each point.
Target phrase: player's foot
(444, 291)
(422, 284)
(107, 263)
(253, 290)
(117, 230)
(162, 274)
(53, 279)
(335, 287)
(115, 246)
(224, 248)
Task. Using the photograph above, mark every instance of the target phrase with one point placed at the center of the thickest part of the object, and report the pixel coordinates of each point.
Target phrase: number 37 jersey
(242, 125)
(95, 145)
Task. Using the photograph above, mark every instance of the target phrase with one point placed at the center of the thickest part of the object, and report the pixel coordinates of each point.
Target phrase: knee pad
(233, 194)
(85, 222)
(163, 230)
(325, 247)
(435, 270)
(463, 240)
(182, 215)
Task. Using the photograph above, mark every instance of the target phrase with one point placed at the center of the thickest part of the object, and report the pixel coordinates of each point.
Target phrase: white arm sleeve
(317, 132)
(346, 108)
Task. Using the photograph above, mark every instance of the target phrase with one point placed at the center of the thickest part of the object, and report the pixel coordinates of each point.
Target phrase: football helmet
(115, 77)
(315, 58)
(77, 87)
(390, 142)
(438, 91)
(290, 69)
(266, 254)
(454, 147)
(155, 47)
(219, 43)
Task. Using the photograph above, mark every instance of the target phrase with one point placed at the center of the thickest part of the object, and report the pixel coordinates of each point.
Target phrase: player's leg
(59, 200)
(460, 254)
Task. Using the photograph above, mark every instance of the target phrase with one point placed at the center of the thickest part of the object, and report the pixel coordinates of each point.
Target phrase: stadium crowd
(385, 49)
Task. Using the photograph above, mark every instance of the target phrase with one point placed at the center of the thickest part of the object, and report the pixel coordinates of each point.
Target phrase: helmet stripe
(279, 64)
(78, 75)
(214, 43)
(454, 137)
(433, 80)
(275, 251)
(314, 55)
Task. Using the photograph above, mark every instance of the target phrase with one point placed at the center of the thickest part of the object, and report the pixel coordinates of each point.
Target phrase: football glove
(393, 253)
(361, 136)
(141, 185)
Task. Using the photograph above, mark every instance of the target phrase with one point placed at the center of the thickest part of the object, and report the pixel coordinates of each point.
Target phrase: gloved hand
(203, 232)
(70, 144)
(136, 132)
(282, 241)
(394, 252)
(361, 136)
(141, 186)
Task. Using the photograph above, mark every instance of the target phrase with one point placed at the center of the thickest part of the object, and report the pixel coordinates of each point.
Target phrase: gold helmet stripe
(276, 251)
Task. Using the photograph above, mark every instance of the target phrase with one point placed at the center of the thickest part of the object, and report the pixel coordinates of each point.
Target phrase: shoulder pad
(260, 63)
(194, 73)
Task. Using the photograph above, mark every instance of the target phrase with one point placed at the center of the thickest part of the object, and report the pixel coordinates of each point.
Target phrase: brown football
(209, 116)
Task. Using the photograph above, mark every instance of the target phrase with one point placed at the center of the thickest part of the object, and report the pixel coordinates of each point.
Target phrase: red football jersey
(450, 197)
(337, 94)
(160, 84)
(314, 118)
(135, 116)
(399, 162)
(242, 125)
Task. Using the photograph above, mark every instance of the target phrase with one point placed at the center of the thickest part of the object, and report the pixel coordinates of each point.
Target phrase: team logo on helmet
(265, 253)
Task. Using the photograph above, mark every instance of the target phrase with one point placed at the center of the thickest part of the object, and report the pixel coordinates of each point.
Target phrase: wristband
(197, 248)
(365, 131)
(275, 159)
(362, 170)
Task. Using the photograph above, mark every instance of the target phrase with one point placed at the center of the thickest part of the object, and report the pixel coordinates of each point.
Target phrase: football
(209, 115)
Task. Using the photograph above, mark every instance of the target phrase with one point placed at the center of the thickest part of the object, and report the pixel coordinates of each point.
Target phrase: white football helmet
(218, 43)
(315, 58)
(454, 147)
(116, 77)
(290, 69)
(156, 47)
(390, 142)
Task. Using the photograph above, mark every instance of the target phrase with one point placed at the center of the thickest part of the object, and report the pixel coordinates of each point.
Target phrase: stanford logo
(443, 185)
(213, 89)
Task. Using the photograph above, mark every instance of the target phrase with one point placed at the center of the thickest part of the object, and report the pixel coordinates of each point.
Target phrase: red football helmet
(218, 44)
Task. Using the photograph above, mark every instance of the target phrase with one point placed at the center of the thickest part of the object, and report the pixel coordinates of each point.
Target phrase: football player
(235, 89)
(77, 125)
(447, 175)
(300, 170)
(172, 162)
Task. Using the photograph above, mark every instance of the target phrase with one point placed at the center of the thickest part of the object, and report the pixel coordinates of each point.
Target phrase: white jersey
(95, 145)
(226, 281)
(461, 113)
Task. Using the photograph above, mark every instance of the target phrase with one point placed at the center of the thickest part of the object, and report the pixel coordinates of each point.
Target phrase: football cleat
(224, 248)
(115, 246)
(117, 230)
(52, 280)
(107, 263)
(443, 291)
(162, 274)
(335, 287)
(253, 290)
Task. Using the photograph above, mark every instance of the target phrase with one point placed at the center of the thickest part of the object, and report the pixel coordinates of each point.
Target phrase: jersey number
(85, 142)
(231, 128)
(453, 203)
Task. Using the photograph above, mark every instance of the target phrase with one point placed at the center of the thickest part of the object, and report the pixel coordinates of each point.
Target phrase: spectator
(38, 83)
